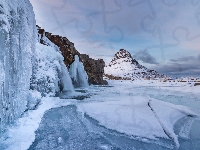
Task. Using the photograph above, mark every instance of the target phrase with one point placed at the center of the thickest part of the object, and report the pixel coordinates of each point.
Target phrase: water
(190, 139)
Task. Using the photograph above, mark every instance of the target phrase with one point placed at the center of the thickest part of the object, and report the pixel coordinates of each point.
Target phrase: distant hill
(124, 67)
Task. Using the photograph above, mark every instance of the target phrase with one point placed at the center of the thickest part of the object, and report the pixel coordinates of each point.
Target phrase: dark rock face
(111, 77)
(66, 47)
(197, 84)
(122, 53)
(94, 68)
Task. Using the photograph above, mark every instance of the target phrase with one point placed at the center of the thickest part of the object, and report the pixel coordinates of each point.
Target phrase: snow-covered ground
(123, 115)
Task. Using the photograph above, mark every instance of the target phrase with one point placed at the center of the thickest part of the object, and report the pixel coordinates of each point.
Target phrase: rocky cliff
(124, 67)
(94, 68)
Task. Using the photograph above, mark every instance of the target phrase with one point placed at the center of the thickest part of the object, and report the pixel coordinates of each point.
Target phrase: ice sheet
(136, 115)
(21, 134)
(132, 117)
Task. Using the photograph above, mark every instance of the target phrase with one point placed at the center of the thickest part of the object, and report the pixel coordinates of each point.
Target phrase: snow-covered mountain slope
(123, 66)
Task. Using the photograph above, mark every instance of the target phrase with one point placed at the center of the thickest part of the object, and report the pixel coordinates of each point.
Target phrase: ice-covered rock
(17, 45)
(51, 76)
(45, 70)
(34, 98)
(93, 67)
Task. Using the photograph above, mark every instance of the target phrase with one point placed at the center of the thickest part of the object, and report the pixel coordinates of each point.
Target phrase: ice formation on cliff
(17, 45)
(78, 74)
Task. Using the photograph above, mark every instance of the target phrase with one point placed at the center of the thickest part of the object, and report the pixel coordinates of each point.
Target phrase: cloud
(137, 24)
(183, 59)
(145, 57)
(183, 66)
(199, 58)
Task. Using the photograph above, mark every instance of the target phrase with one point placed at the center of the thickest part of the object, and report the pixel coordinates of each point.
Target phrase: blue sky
(161, 35)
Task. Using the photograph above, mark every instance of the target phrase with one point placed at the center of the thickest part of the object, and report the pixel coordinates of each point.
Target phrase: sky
(161, 35)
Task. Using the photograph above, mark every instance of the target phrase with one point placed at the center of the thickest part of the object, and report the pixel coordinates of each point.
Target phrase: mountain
(124, 67)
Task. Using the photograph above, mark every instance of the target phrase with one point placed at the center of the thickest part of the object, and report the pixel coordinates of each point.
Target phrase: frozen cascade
(78, 74)
(45, 77)
(66, 82)
(17, 43)
(50, 75)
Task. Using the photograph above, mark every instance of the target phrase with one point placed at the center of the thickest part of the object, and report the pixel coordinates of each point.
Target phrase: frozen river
(63, 128)
(76, 127)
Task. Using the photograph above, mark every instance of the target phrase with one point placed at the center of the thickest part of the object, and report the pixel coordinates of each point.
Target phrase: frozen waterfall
(50, 75)
(66, 82)
(17, 43)
(78, 74)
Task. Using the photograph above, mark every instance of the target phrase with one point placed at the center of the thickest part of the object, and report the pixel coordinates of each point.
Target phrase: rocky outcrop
(94, 68)
(197, 84)
(111, 77)
(124, 56)
(66, 47)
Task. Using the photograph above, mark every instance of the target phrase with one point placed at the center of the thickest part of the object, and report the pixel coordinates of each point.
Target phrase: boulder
(197, 84)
